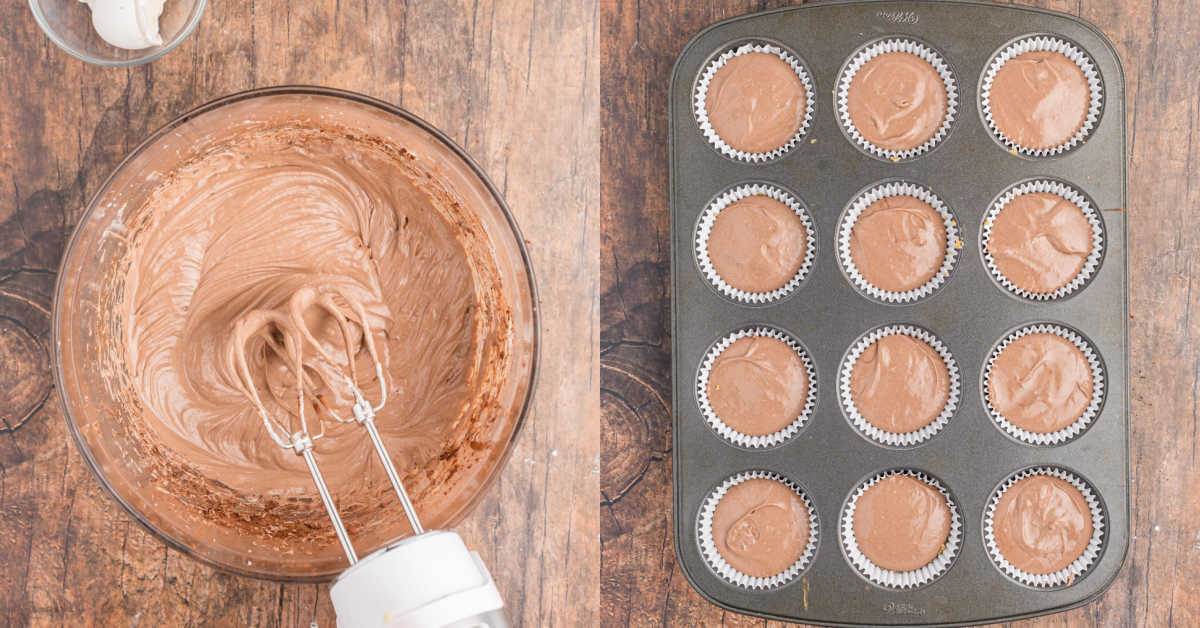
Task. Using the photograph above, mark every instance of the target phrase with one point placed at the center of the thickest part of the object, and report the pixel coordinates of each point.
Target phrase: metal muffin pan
(970, 314)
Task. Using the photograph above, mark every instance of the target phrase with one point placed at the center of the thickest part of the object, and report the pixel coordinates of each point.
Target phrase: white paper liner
(893, 439)
(728, 433)
(1070, 194)
(704, 230)
(876, 193)
(699, 106)
(1067, 575)
(882, 47)
(902, 579)
(727, 572)
(1046, 44)
(1089, 413)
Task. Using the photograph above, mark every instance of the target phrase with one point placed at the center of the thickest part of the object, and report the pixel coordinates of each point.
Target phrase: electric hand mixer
(426, 580)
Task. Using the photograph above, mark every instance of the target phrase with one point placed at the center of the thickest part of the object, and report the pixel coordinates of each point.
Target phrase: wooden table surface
(641, 582)
(512, 82)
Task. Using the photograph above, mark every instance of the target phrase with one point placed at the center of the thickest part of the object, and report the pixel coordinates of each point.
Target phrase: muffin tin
(970, 313)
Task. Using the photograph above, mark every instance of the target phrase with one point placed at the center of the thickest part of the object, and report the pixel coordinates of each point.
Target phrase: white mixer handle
(430, 580)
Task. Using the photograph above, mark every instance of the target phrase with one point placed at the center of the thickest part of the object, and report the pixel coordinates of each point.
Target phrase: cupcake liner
(892, 439)
(1045, 44)
(1067, 192)
(709, 217)
(727, 572)
(1067, 575)
(901, 579)
(745, 440)
(1074, 429)
(874, 50)
(876, 193)
(700, 107)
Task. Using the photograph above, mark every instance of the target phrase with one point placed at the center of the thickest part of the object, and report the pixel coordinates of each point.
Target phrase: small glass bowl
(68, 23)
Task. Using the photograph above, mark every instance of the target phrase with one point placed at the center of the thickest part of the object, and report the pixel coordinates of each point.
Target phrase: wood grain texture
(515, 83)
(641, 582)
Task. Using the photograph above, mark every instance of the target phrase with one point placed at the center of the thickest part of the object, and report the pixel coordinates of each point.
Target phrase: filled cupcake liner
(708, 548)
(1072, 572)
(728, 433)
(1070, 194)
(700, 106)
(1044, 44)
(893, 439)
(1069, 432)
(902, 579)
(882, 47)
(874, 194)
(704, 230)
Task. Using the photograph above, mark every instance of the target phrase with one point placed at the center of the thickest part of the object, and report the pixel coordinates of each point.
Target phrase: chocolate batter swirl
(1041, 383)
(898, 243)
(1040, 241)
(761, 527)
(758, 385)
(1039, 99)
(242, 230)
(756, 102)
(1042, 524)
(757, 244)
(901, 523)
(897, 101)
(900, 384)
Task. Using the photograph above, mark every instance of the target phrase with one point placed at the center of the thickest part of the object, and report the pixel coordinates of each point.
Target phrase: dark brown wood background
(641, 582)
(513, 82)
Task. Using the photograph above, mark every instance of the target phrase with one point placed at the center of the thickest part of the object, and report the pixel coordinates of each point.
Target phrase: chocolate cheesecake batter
(760, 527)
(244, 229)
(756, 102)
(901, 523)
(1041, 383)
(758, 385)
(899, 384)
(757, 244)
(898, 243)
(897, 101)
(1040, 241)
(1042, 524)
(1039, 99)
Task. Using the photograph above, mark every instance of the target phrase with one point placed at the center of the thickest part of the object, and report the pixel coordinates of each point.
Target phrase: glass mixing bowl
(68, 23)
(94, 384)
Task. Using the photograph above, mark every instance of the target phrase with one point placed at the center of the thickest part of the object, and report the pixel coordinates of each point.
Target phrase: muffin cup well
(882, 191)
(901, 579)
(700, 105)
(727, 572)
(745, 440)
(1043, 44)
(1090, 265)
(1072, 572)
(865, 54)
(892, 439)
(1076, 428)
(704, 230)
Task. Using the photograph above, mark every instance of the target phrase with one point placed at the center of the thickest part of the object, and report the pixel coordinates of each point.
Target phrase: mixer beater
(426, 580)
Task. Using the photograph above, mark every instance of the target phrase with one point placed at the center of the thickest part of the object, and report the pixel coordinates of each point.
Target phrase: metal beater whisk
(427, 580)
(287, 336)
